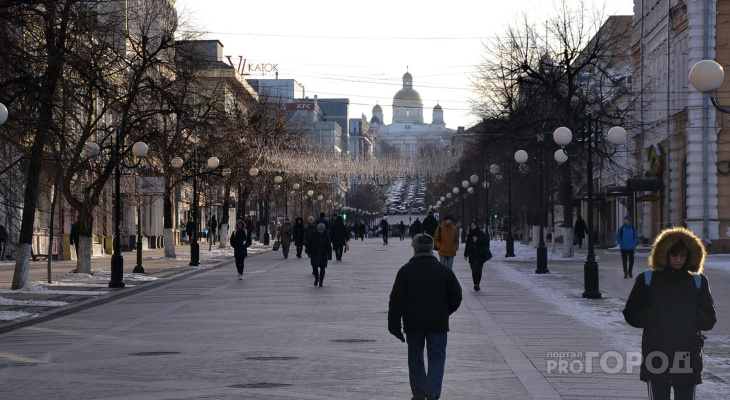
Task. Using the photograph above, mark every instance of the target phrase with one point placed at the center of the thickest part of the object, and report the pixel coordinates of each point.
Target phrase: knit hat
(448, 217)
(422, 242)
(320, 227)
(627, 217)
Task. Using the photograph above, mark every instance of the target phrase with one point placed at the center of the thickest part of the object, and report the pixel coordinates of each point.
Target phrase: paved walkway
(201, 333)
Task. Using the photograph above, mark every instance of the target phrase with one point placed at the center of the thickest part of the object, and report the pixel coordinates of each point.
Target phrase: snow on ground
(14, 315)
(12, 302)
(557, 289)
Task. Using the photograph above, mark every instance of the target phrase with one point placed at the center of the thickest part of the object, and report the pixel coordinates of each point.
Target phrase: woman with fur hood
(672, 303)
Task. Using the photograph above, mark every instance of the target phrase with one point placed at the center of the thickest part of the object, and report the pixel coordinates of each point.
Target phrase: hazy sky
(360, 50)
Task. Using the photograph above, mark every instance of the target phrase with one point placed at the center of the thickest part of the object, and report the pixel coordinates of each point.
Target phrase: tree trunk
(20, 277)
(169, 244)
(83, 262)
(224, 236)
(168, 222)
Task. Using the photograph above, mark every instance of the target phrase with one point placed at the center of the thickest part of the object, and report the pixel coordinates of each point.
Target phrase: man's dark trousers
(423, 383)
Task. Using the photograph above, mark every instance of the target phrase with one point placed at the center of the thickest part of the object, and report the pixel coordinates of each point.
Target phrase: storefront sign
(299, 106)
(245, 68)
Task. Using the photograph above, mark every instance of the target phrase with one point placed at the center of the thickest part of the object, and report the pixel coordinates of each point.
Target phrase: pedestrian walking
(323, 220)
(402, 228)
(672, 303)
(287, 231)
(74, 237)
(580, 230)
(299, 235)
(430, 224)
(385, 229)
(190, 230)
(476, 251)
(424, 295)
(415, 228)
(339, 237)
(362, 230)
(627, 240)
(240, 240)
(320, 251)
(3, 238)
(446, 240)
(212, 226)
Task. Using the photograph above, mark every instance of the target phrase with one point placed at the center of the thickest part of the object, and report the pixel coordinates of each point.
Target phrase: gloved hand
(398, 334)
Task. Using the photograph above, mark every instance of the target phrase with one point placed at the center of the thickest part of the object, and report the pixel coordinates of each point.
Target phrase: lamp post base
(590, 274)
(139, 269)
(194, 255)
(266, 237)
(542, 260)
(117, 271)
(510, 246)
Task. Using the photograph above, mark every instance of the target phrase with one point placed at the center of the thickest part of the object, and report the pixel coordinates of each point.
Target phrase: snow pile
(11, 302)
(14, 315)
(101, 275)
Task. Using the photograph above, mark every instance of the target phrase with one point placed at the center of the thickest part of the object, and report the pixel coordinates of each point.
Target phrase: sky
(360, 50)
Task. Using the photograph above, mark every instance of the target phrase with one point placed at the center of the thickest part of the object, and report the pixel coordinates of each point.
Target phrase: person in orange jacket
(446, 240)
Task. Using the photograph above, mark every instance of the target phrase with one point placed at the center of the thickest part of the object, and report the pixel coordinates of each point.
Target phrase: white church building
(408, 131)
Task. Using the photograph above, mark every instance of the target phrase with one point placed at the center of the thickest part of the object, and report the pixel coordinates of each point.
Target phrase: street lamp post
(140, 150)
(589, 142)
(474, 179)
(510, 239)
(521, 157)
(213, 163)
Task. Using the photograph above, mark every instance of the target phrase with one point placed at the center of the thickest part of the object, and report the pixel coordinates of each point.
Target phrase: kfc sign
(299, 106)
(248, 69)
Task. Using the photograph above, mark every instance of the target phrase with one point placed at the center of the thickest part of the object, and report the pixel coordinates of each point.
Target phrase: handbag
(489, 254)
(276, 245)
(347, 247)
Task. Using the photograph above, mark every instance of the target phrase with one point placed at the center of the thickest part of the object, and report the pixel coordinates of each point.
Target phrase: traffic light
(344, 217)
(496, 216)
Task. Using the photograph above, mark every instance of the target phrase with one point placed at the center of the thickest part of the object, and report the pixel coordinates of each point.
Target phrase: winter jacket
(476, 250)
(240, 242)
(384, 226)
(672, 311)
(627, 237)
(338, 233)
(429, 225)
(320, 249)
(286, 233)
(299, 233)
(415, 228)
(446, 239)
(424, 294)
(580, 228)
(309, 230)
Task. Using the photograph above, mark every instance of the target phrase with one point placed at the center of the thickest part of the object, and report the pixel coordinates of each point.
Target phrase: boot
(626, 275)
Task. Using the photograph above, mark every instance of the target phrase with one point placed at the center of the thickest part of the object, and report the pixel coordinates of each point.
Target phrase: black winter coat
(320, 249)
(240, 240)
(424, 294)
(298, 234)
(672, 311)
(338, 234)
(429, 225)
(415, 228)
(476, 250)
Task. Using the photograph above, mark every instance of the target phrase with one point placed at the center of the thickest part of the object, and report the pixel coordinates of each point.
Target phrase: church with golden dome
(408, 131)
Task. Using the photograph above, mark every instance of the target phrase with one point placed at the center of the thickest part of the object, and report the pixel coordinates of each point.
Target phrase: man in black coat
(430, 224)
(424, 295)
(74, 236)
(415, 228)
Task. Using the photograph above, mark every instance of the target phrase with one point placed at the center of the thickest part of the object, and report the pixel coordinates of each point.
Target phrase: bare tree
(531, 82)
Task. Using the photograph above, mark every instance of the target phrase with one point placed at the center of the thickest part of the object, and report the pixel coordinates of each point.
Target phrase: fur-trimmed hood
(668, 238)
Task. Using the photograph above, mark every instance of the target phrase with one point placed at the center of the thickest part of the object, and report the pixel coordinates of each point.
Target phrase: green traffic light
(496, 216)
(344, 216)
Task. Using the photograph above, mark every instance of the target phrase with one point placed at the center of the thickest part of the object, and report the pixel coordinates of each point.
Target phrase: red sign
(299, 106)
